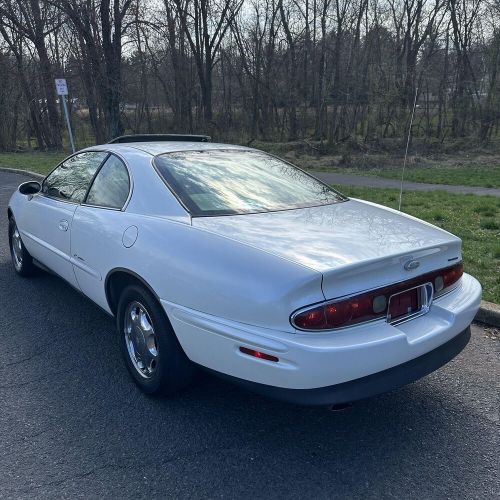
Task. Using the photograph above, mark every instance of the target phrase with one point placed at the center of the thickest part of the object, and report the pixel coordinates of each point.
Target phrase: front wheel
(21, 258)
(150, 349)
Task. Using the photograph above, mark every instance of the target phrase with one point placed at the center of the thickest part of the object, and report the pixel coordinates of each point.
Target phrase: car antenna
(407, 146)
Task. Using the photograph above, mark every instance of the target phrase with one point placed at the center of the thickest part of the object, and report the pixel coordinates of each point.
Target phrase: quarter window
(71, 180)
(111, 186)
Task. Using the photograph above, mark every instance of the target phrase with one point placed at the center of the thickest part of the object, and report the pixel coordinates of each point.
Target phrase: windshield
(228, 182)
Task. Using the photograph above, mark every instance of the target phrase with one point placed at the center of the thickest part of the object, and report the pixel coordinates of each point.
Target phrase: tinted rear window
(217, 182)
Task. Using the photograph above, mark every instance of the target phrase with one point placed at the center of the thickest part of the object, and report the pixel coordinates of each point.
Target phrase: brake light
(370, 305)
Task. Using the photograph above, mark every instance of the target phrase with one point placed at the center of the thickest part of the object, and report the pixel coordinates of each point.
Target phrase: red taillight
(370, 305)
(258, 354)
(334, 315)
(452, 274)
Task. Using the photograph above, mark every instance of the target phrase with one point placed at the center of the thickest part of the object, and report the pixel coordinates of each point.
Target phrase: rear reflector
(258, 354)
(373, 304)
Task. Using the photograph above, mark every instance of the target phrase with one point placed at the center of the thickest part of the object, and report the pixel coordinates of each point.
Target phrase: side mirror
(30, 188)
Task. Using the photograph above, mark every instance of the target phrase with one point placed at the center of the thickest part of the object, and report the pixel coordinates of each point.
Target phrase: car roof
(157, 148)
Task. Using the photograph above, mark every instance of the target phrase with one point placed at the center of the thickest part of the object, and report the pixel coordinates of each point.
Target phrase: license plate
(404, 303)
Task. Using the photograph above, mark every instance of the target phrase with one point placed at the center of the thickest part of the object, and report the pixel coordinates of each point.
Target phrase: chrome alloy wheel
(17, 249)
(140, 339)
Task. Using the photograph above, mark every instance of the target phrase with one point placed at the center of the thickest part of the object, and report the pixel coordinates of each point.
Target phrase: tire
(155, 361)
(21, 258)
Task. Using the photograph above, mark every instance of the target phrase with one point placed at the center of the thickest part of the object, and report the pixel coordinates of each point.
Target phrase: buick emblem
(411, 265)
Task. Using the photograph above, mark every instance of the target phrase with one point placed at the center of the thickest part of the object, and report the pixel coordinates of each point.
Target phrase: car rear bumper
(371, 385)
(317, 362)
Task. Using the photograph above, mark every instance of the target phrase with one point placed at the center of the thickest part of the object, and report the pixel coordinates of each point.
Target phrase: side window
(111, 185)
(71, 180)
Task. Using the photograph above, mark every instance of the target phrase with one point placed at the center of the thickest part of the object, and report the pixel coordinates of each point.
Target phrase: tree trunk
(47, 77)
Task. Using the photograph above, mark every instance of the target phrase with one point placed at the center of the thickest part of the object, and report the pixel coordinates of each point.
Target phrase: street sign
(62, 90)
(61, 86)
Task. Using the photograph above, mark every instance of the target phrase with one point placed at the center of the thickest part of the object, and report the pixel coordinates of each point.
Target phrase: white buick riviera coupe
(231, 259)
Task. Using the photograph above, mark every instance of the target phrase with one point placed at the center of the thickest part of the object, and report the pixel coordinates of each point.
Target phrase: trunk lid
(356, 245)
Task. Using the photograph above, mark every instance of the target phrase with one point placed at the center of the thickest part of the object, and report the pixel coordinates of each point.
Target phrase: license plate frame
(417, 301)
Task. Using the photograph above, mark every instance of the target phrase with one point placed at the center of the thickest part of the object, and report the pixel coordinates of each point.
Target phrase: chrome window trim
(88, 205)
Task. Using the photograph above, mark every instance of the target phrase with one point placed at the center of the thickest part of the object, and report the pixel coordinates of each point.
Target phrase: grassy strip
(41, 163)
(475, 219)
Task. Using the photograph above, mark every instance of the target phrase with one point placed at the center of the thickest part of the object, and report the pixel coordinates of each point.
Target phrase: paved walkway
(380, 182)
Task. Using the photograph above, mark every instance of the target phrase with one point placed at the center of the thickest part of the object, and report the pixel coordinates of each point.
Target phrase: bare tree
(344, 71)
(463, 15)
(34, 20)
(205, 23)
(100, 31)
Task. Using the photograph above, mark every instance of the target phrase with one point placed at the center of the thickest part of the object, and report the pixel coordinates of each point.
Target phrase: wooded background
(335, 71)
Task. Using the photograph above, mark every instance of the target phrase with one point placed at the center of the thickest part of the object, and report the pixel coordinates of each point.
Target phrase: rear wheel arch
(173, 370)
(117, 280)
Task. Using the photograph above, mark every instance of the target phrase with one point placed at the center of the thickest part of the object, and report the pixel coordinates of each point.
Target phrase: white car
(229, 258)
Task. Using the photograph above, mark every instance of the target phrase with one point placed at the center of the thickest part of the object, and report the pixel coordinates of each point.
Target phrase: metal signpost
(62, 90)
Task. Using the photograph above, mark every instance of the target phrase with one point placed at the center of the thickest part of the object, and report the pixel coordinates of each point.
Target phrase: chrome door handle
(63, 225)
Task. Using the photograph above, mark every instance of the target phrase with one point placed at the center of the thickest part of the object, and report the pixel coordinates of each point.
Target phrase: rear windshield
(224, 182)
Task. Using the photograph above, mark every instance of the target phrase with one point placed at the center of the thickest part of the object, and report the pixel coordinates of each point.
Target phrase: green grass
(459, 214)
(41, 163)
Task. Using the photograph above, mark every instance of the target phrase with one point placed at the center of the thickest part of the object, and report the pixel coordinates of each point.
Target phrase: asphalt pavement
(73, 425)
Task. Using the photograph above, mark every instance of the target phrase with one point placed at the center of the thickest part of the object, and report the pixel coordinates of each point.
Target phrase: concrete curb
(26, 173)
(489, 313)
